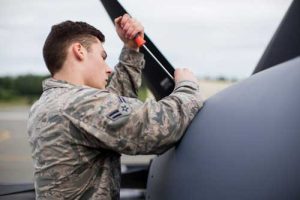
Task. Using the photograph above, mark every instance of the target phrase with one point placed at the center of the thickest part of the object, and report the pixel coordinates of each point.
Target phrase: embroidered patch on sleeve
(114, 115)
(124, 109)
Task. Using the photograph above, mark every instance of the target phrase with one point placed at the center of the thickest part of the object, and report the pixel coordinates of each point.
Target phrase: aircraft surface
(243, 144)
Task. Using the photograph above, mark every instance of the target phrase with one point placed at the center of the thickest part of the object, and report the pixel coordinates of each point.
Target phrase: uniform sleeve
(129, 126)
(126, 79)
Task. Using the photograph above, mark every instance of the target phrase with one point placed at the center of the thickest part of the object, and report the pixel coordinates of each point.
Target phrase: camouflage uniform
(77, 133)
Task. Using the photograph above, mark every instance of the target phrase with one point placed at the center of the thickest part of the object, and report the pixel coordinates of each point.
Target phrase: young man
(79, 128)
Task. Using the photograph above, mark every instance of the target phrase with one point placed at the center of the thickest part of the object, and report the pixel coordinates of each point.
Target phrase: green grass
(142, 94)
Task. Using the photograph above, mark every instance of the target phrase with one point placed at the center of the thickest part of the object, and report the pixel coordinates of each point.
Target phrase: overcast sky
(211, 37)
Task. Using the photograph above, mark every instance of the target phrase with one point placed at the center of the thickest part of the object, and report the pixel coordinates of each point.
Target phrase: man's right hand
(127, 28)
(184, 74)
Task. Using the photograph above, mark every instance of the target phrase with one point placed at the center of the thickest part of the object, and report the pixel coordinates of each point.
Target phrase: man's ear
(78, 51)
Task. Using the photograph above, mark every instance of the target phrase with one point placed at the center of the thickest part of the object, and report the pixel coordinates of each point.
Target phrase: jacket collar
(53, 83)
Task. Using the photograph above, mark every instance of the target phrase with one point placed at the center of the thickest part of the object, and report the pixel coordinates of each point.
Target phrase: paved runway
(15, 159)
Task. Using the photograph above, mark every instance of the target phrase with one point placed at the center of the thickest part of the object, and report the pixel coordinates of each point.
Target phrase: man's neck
(72, 78)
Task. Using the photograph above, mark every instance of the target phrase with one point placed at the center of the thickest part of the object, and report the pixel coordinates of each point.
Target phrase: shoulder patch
(124, 109)
(114, 115)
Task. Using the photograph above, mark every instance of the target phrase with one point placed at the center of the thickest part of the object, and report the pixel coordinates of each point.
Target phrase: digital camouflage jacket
(77, 133)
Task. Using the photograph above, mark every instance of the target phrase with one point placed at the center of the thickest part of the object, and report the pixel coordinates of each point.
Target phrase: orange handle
(139, 40)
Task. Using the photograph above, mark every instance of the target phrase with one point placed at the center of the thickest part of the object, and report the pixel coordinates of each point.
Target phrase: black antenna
(285, 43)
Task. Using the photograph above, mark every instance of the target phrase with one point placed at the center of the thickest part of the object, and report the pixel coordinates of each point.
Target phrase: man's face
(96, 70)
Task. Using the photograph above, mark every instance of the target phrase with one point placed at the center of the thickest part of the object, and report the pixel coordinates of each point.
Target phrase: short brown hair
(61, 36)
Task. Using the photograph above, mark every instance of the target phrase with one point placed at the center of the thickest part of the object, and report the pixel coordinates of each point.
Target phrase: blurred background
(221, 41)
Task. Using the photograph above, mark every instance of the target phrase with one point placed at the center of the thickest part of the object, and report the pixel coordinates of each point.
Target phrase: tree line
(29, 86)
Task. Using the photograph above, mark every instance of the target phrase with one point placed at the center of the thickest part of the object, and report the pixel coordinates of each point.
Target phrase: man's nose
(108, 70)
